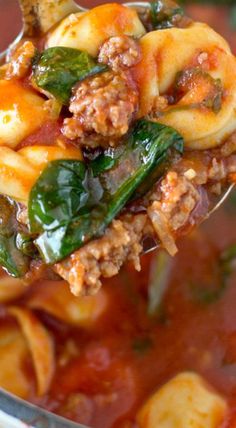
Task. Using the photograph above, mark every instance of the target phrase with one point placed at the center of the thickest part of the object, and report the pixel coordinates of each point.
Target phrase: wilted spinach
(12, 259)
(58, 69)
(164, 14)
(72, 203)
(142, 345)
(225, 267)
(195, 75)
(158, 282)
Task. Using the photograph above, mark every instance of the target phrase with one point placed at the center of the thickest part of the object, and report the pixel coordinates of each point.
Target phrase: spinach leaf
(215, 2)
(227, 261)
(164, 13)
(58, 69)
(195, 75)
(72, 203)
(11, 258)
(210, 293)
(233, 17)
(142, 345)
(24, 243)
(58, 195)
(158, 282)
(163, 165)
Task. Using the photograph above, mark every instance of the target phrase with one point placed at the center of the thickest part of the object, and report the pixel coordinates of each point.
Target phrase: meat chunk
(102, 106)
(178, 196)
(21, 61)
(120, 52)
(173, 206)
(104, 256)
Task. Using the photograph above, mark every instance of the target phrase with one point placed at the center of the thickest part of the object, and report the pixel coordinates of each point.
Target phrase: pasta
(14, 352)
(19, 170)
(184, 401)
(168, 52)
(87, 31)
(40, 345)
(78, 311)
(21, 113)
(11, 288)
(107, 89)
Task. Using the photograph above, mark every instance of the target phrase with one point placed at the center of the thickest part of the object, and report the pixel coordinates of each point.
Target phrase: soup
(98, 359)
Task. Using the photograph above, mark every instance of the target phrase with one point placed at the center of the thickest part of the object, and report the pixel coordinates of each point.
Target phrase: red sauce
(127, 354)
(46, 135)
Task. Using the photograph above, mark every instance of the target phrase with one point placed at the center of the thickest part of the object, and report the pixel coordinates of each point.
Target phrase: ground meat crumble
(120, 53)
(175, 204)
(104, 105)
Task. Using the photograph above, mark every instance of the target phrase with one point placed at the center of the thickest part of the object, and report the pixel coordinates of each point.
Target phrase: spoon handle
(40, 15)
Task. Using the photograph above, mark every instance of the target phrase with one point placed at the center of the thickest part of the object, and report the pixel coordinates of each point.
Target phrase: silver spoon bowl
(41, 15)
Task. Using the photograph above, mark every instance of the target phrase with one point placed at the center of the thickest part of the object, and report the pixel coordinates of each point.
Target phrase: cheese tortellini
(184, 402)
(89, 30)
(19, 170)
(169, 52)
(21, 112)
(14, 353)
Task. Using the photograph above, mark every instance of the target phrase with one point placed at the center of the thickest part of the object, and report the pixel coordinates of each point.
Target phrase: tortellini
(19, 170)
(40, 345)
(56, 299)
(11, 288)
(21, 112)
(183, 402)
(51, 12)
(88, 31)
(14, 354)
(169, 52)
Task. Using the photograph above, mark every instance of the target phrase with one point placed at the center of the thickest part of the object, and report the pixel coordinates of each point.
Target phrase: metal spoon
(40, 15)
(150, 244)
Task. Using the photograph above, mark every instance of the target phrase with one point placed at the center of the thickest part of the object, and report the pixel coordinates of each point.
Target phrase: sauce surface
(106, 370)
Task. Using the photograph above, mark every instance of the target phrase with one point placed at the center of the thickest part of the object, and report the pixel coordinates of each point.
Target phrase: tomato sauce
(125, 356)
(128, 354)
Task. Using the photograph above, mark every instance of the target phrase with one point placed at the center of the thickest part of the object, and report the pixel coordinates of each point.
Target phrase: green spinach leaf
(164, 13)
(158, 282)
(12, 259)
(58, 69)
(72, 203)
(212, 292)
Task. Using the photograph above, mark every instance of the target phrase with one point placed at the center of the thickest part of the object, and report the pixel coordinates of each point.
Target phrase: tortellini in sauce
(21, 112)
(11, 288)
(186, 401)
(40, 345)
(14, 354)
(89, 30)
(19, 170)
(168, 52)
(63, 305)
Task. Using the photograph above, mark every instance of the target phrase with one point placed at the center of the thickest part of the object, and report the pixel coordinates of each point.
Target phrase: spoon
(150, 244)
(40, 15)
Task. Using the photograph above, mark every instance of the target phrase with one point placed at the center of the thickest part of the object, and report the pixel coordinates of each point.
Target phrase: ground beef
(104, 256)
(120, 53)
(21, 61)
(174, 205)
(168, 14)
(177, 198)
(102, 106)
